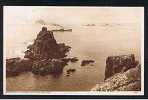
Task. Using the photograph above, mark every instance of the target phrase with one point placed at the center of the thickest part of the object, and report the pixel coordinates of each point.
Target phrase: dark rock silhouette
(73, 60)
(44, 67)
(126, 76)
(70, 71)
(43, 56)
(15, 66)
(46, 47)
(86, 62)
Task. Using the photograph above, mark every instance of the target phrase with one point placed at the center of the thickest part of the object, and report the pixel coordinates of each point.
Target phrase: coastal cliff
(122, 73)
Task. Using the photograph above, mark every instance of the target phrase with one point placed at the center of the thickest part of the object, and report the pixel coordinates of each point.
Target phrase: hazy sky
(72, 15)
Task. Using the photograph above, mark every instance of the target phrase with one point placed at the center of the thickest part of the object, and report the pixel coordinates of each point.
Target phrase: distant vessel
(61, 30)
(90, 25)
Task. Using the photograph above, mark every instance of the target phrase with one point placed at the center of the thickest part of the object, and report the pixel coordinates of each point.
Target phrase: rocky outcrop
(73, 59)
(70, 71)
(51, 66)
(46, 47)
(123, 78)
(44, 56)
(116, 64)
(86, 62)
(15, 66)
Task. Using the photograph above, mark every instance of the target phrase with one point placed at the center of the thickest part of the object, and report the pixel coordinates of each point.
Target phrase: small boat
(90, 25)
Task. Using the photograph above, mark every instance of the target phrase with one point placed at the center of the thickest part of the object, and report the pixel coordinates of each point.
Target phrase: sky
(72, 15)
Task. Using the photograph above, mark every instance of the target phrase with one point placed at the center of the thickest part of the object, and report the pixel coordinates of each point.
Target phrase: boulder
(71, 70)
(86, 62)
(45, 67)
(73, 59)
(15, 66)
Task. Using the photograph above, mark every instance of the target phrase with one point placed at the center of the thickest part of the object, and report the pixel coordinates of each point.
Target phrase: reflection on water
(95, 42)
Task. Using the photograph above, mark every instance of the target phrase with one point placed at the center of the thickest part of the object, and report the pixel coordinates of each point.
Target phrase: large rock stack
(46, 47)
(44, 56)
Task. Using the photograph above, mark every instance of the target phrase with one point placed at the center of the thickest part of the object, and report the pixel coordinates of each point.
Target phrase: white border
(75, 92)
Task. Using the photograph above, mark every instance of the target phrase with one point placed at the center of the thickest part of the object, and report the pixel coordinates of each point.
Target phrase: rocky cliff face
(116, 64)
(122, 73)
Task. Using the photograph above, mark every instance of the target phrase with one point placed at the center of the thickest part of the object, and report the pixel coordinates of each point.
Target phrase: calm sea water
(93, 42)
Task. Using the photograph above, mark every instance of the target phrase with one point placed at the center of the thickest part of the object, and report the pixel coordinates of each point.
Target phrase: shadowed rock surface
(127, 78)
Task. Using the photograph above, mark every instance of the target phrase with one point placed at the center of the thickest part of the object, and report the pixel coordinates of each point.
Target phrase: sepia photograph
(64, 50)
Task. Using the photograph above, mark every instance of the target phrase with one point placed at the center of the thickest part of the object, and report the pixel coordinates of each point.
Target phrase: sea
(95, 42)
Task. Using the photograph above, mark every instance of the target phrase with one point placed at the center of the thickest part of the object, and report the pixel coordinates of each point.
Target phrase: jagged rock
(15, 66)
(128, 79)
(116, 64)
(46, 47)
(45, 67)
(86, 62)
(44, 56)
(58, 66)
(74, 59)
(46, 53)
(68, 75)
(71, 70)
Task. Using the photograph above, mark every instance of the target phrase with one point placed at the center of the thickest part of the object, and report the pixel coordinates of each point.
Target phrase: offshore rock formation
(46, 47)
(44, 67)
(86, 62)
(15, 66)
(44, 56)
(126, 76)
(73, 59)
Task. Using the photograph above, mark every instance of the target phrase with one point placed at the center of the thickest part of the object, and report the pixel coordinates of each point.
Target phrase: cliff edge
(122, 73)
